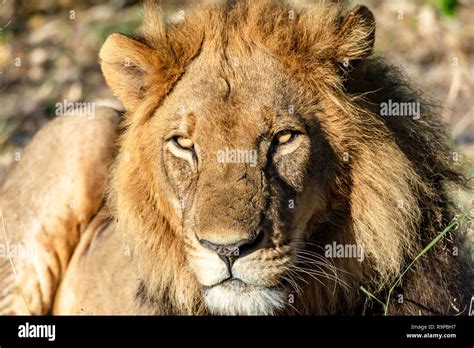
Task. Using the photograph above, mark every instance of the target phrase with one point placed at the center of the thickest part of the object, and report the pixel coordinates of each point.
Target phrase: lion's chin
(239, 298)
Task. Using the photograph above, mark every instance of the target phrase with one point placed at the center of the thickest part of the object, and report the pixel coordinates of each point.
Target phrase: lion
(251, 144)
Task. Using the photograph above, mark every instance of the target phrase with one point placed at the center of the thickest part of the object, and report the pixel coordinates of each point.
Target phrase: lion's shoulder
(48, 198)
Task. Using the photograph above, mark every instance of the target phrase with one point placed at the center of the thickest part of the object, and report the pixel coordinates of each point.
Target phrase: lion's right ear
(356, 37)
(125, 63)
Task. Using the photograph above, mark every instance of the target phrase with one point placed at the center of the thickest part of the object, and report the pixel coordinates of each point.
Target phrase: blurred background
(49, 53)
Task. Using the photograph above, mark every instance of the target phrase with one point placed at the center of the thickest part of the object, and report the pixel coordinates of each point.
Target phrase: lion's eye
(183, 142)
(285, 137)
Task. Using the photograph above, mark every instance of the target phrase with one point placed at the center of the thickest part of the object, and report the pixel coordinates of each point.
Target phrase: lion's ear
(125, 63)
(356, 37)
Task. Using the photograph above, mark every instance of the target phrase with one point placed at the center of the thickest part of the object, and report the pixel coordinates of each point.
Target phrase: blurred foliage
(447, 7)
(100, 30)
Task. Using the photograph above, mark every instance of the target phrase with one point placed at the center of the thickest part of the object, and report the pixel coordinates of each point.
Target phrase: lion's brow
(190, 123)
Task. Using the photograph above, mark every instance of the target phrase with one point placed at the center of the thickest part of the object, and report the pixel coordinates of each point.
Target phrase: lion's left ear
(356, 37)
(125, 63)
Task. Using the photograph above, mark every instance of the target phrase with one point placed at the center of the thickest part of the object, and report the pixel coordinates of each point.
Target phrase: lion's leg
(46, 201)
(101, 277)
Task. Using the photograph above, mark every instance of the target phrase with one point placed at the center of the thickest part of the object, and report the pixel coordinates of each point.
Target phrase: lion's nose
(231, 252)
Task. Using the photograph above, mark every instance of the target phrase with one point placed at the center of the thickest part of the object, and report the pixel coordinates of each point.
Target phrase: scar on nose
(228, 89)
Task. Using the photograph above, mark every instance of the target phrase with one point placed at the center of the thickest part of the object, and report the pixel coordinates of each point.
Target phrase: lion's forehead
(243, 80)
(232, 102)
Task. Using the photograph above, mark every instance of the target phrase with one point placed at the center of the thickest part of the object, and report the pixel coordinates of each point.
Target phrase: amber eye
(284, 137)
(183, 142)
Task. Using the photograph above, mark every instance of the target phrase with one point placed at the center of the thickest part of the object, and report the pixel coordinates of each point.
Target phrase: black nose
(231, 252)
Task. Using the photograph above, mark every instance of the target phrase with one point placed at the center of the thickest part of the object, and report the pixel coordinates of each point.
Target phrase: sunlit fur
(223, 300)
(390, 161)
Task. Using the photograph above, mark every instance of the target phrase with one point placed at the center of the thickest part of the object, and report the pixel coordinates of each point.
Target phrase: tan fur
(381, 175)
(226, 78)
(47, 200)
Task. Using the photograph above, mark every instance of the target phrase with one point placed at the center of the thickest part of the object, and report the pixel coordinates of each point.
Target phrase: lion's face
(233, 151)
(238, 156)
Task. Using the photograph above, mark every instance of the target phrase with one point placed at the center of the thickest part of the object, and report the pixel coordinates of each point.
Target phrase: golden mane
(389, 194)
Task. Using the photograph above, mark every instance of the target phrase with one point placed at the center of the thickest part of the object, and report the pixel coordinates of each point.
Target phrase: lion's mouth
(236, 284)
(233, 296)
(231, 282)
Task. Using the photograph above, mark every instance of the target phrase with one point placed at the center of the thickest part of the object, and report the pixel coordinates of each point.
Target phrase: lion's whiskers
(307, 260)
(310, 253)
(291, 281)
